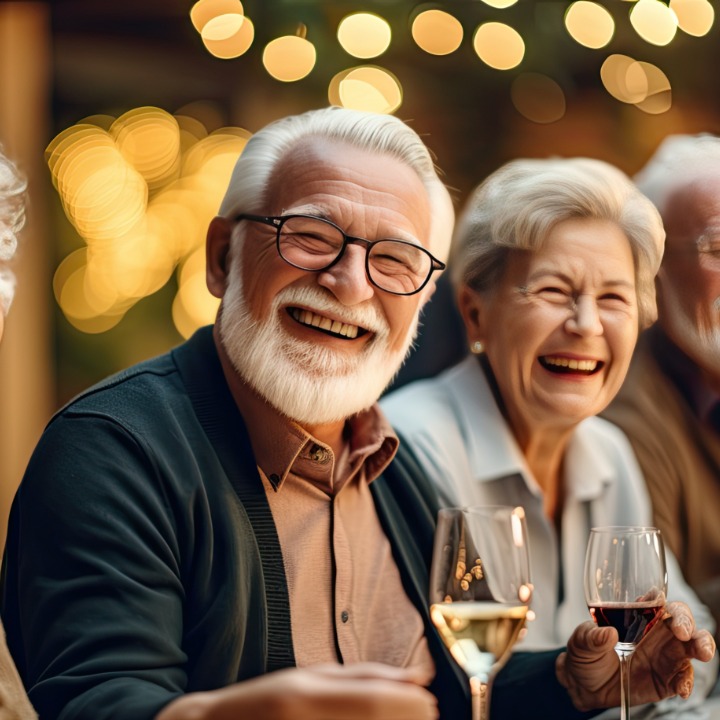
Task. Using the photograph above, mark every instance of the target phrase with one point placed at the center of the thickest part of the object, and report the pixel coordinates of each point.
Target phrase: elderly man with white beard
(669, 405)
(233, 530)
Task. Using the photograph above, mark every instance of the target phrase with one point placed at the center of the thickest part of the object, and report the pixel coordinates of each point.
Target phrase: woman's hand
(365, 691)
(660, 666)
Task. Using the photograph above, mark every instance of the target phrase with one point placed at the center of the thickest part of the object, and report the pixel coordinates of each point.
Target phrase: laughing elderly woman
(553, 266)
(14, 704)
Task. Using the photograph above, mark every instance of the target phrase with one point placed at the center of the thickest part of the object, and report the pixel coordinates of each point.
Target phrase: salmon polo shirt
(347, 601)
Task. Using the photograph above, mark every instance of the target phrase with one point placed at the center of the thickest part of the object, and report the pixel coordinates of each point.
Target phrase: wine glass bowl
(480, 589)
(625, 588)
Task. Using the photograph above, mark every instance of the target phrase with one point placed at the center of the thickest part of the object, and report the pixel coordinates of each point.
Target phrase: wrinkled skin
(660, 666)
(365, 691)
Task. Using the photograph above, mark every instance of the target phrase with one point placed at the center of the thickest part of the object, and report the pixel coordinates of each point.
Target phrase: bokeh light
(140, 190)
(654, 21)
(659, 92)
(637, 83)
(500, 4)
(230, 41)
(624, 79)
(149, 140)
(364, 35)
(498, 45)
(368, 87)
(193, 305)
(589, 24)
(289, 58)
(206, 11)
(695, 17)
(437, 32)
(538, 98)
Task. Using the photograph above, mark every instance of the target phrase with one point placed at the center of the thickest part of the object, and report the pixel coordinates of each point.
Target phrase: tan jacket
(680, 458)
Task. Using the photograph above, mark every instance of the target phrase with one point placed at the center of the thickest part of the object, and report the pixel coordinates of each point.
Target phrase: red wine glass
(625, 588)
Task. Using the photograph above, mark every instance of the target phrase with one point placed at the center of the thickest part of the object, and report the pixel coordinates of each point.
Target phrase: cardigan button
(344, 616)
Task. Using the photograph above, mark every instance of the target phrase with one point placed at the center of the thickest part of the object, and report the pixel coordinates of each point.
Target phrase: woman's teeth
(569, 363)
(306, 317)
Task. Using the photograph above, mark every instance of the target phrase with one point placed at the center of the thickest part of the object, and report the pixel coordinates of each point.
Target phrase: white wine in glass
(480, 590)
(625, 588)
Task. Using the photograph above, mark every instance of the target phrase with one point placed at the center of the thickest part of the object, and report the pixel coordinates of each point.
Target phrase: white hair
(373, 132)
(517, 206)
(12, 217)
(678, 161)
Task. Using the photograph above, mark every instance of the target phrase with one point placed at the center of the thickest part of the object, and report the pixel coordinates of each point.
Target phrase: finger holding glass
(626, 588)
(479, 590)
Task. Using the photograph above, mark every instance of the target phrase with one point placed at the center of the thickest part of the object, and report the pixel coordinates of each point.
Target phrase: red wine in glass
(631, 620)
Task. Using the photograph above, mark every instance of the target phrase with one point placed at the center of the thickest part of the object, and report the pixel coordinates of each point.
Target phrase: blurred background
(128, 116)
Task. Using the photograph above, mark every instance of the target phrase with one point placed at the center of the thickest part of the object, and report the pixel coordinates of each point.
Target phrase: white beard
(700, 343)
(308, 382)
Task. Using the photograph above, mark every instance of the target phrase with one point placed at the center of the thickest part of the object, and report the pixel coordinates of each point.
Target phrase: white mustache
(365, 316)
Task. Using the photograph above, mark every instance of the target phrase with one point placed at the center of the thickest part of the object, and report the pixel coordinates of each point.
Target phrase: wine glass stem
(625, 658)
(480, 693)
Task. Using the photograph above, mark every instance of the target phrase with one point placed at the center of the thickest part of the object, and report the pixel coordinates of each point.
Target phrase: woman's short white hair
(517, 206)
(384, 134)
(12, 217)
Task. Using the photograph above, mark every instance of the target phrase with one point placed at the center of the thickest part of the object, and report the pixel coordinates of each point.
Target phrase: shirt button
(344, 616)
(319, 454)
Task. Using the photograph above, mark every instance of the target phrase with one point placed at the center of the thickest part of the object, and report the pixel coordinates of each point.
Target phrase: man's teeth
(323, 323)
(585, 365)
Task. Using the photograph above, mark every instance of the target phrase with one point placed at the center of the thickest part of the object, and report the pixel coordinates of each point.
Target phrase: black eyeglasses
(314, 244)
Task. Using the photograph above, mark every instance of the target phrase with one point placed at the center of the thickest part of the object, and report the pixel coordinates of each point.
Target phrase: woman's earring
(477, 347)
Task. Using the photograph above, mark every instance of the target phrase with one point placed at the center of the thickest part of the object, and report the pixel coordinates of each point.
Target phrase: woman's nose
(585, 317)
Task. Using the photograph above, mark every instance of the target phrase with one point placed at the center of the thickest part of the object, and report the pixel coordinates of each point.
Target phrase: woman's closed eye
(613, 299)
(554, 294)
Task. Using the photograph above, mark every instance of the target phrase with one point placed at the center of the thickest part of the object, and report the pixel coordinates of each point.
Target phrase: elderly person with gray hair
(553, 264)
(669, 407)
(231, 530)
(12, 218)
(14, 703)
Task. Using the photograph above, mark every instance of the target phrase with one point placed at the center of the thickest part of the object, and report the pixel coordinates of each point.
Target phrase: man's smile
(336, 328)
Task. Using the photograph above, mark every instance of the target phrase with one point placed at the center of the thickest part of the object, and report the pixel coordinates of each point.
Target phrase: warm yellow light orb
(364, 35)
(500, 4)
(589, 24)
(289, 58)
(149, 139)
(499, 46)
(369, 88)
(695, 17)
(654, 21)
(538, 98)
(624, 78)
(230, 40)
(659, 92)
(437, 32)
(204, 11)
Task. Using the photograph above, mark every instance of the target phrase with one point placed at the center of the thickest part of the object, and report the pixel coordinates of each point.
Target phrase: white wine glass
(625, 588)
(480, 590)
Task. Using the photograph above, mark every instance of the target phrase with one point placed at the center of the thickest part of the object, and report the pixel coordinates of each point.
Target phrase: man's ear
(472, 307)
(217, 248)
